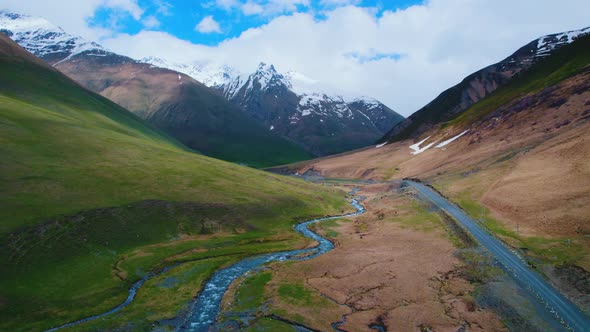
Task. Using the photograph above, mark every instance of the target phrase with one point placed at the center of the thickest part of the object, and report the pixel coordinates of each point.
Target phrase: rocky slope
(324, 124)
(478, 85)
(174, 102)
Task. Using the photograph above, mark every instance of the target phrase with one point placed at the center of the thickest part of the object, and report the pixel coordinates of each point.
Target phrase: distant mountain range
(455, 100)
(322, 123)
(265, 121)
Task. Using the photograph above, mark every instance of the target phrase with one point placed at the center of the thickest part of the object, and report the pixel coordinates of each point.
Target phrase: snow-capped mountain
(320, 123)
(208, 74)
(323, 123)
(264, 78)
(272, 98)
(44, 39)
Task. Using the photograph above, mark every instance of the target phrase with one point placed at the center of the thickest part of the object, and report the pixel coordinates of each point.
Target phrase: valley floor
(395, 268)
(522, 170)
(402, 266)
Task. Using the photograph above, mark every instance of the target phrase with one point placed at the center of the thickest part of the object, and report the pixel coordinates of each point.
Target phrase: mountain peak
(263, 67)
(548, 43)
(43, 38)
(20, 23)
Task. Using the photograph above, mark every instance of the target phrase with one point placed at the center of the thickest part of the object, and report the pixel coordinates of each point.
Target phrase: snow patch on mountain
(451, 140)
(42, 38)
(207, 73)
(546, 44)
(324, 105)
(416, 149)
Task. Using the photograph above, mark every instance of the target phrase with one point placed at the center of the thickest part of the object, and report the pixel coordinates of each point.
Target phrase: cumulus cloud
(208, 25)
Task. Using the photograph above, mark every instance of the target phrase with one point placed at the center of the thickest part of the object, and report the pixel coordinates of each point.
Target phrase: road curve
(566, 312)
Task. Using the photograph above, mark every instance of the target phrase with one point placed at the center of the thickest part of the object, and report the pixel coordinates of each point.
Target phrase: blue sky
(180, 18)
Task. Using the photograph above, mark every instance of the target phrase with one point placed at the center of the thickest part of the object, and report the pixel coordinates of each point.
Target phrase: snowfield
(445, 143)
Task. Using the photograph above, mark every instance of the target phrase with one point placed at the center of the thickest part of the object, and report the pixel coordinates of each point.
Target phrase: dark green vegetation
(251, 293)
(221, 130)
(326, 228)
(295, 293)
(92, 198)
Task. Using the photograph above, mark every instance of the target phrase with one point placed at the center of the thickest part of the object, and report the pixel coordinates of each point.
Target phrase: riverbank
(393, 267)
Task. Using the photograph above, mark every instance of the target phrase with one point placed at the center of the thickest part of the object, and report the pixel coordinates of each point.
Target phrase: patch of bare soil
(388, 273)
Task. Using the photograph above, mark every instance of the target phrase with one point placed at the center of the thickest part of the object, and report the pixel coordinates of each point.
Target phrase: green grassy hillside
(187, 110)
(92, 198)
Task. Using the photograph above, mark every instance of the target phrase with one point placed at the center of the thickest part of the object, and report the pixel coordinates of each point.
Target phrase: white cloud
(251, 8)
(267, 8)
(129, 6)
(226, 4)
(273, 7)
(73, 16)
(150, 22)
(208, 25)
(335, 3)
(164, 8)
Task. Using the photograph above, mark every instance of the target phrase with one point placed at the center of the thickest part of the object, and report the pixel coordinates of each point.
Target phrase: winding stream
(205, 308)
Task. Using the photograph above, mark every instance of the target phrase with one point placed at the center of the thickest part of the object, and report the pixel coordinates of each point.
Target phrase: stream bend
(205, 308)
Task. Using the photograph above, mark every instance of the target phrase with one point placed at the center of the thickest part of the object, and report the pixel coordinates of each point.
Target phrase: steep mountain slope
(323, 124)
(175, 103)
(92, 198)
(478, 85)
(517, 160)
(184, 108)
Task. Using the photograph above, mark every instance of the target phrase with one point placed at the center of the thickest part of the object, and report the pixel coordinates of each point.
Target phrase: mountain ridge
(476, 86)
